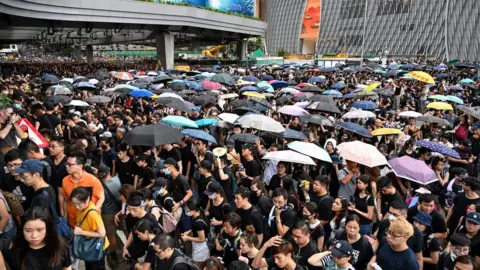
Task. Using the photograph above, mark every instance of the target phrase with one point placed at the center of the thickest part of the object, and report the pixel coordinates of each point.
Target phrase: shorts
(109, 222)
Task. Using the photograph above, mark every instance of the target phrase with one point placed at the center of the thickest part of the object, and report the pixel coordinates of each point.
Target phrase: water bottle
(98, 246)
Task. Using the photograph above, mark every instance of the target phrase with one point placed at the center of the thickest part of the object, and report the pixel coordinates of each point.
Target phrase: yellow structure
(213, 51)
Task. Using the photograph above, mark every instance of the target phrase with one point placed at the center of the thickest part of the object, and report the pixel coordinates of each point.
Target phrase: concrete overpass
(107, 21)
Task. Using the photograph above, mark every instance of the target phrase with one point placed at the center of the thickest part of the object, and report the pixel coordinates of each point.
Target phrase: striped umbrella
(124, 76)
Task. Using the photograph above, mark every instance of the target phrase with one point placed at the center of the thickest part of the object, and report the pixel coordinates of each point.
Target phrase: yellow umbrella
(422, 76)
(440, 106)
(386, 131)
(253, 94)
(371, 87)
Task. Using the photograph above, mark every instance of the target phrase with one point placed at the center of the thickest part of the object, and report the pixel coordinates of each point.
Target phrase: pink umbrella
(209, 85)
(302, 104)
(124, 76)
(293, 110)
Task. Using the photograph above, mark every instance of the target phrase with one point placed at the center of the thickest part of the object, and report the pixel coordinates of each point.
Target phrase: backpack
(169, 223)
(183, 259)
(177, 215)
(47, 166)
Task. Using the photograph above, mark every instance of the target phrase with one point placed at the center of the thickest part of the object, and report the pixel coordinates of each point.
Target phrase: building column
(89, 53)
(165, 50)
(78, 52)
(242, 50)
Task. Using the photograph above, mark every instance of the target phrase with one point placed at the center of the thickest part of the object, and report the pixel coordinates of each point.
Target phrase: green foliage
(201, 7)
(281, 52)
(5, 101)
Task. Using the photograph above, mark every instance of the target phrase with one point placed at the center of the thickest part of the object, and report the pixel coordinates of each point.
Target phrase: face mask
(188, 213)
(211, 197)
(166, 171)
(391, 217)
(159, 192)
(103, 146)
(304, 216)
(17, 106)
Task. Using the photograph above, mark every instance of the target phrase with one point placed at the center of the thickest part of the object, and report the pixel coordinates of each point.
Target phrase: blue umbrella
(364, 105)
(48, 75)
(199, 134)
(328, 69)
(249, 88)
(408, 66)
(267, 78)
(267, 87)
(293, 134)
(476, 76)
(195, 86)
(316, 80)
(455, 87)
(250, 79)
(84, 85)
(141, 93)
(445, 75)
(279, 84)
(466, 81)
(454, 99)
(438, 148)
(350, 95)
(355, 128)
(200, 77)
(333, 92)
(206, 122)
(392, 66)
(179, 121)
(339, 85)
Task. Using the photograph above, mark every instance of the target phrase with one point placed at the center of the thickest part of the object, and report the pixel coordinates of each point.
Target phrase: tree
(281, 52)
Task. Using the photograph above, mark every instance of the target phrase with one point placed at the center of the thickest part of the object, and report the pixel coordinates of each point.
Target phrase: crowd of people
(273, 167)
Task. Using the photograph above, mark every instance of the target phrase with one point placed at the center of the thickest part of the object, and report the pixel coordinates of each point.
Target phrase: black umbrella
(58, 99)
(245, 138)
(175, 72)
(99, 99)
(123, 91)
(100, 74)
(193, 73)
(244, 110)
(267, 78)
(469, 111)
(323, 98)
(262, 102)
(50, 80)
(187, 92)
(241, 102)
(224, 79)
(178, 105)
(204, 100)
(292, 82)
(303, 96)
(432, 119)
(162, 90)
(283, 99)
(312, 88)
(166, 100)
(161, 79)
(140, 86)
(324, 107)
(178, 86)
(153, 135)
(80, 79)
(317, 119)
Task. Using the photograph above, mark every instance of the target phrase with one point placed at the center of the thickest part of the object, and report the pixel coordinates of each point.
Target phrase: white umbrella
(293, 110)
(70, 80)
(229, 96)
(93, 81)
(311, 150)
(260, 122)
(243, 83)
(109, 90)
(362, 153)
(289, 156)
(170, 95)
(228, 117)
(358, 114)
(410, 114)
(79, 103)
(152, 73)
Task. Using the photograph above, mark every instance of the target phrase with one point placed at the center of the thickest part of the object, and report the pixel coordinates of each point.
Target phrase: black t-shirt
(230, 244)
(202, 186)
(126, 171)
(362, 252)
(23, 192)
(58, 173)
(253, 217)
(324, 204)
(301, 255)
(166, 264)
(178, 187)
(48, 121)
(461, 203)
(147, 175)
(166, 201)
(275, 182)
(252, 168)
(47, 172)
(288, 217)
(389, 259)
(438, 222)
(138, 248)
(198, 224)
(174, 153)
(474, 242)
(35, 259)
(187, 156)
(10, 139)
(227, 185)
(219, 212)
(430, 244)
(43, 196)
(317, 232)
(445, 261)
(272, 266)
(388, 199)
(362, 204)
(415, 242)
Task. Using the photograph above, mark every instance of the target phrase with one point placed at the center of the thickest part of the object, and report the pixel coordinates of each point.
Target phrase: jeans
(366, 229)
(10, 234)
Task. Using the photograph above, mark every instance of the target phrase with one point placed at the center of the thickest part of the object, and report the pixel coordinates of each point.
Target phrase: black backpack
(179, 260)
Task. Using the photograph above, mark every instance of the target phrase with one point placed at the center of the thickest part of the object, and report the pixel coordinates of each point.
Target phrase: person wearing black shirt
(168, 151)
(188, 158)
(225, 177)
(32, 151)
(426, 204)
(362, 249)
(166, 253)
(49, 120)
(282, 217)
(276, 181)
(388, 194)
(125, 168)
(198, 234)
(304, 247)
(218, 206)
(283, 255)
(464, 199)
(146, 231)
(162, 197)
(12, 183)
(472, 231)
(30, 172)
(228, 239)
(145, 173)
(109, 156)
(250, 214)
(432, 248)
(363, 205)
(59, 171)
(319, 195)
(205, 178)
(460, 246)
(249, 168)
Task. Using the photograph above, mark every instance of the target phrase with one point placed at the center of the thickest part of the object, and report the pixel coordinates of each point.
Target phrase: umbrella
(454, 99)
(101, 74)
(469, 111)
(175, 103)
(267, 77)
(366, 94)
(316, 80)
(318, 119)
(438, 148)
(358, 114)
(178, 85)
(253, 94)
(413, 169)
(386, 131)
(364, 105)
(206, 122)
(170, 95)
(438, 97)
(410, 114)
(85, 85)
(98, 99)
(290, 91)
(302, 96)
(210, 85)
(324, 107)
(79, 103)
(312, 88)
(249, 88)
(223, 78)
(251, 79)
(332, 92)
(93, 81)
(446, 75)
(204, 100)
(371, 87)
(355, 128)
(466, 81)
(187, 92)
(179, 121)
(58, 99)
(328, 69)
(162, 79)
(260, 122)
(199, 134)
(293, 134)
(265, 87)
(50, 80)
(289, 156)
(422, 76)
(455, 87)
(228, 117)
(302, 104)
(283, 100)
(244, 137)
(433, 119)
(78, 79)
(152, 73)
(440, 106)
(338, 85)
(66, 81)
(293, 110)
(59, 90)
(362, 153)
(141, 93)
(229, 96)
(311, 150)
(241, 103)
(124, 76)
(303, 85)
(323, 98)
(278, 84)
(153, 135)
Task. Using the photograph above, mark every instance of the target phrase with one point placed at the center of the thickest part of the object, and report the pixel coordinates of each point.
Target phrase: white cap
(107, 134)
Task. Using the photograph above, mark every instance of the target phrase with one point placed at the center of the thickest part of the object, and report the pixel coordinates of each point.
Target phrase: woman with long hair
(198, 234)
(37, 245)
(363, 205)
(89, 222)
(248, 246)
(317, 232)
(337, 223)
(360, 244)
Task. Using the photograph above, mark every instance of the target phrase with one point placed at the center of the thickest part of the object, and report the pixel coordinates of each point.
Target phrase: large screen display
(245, 7)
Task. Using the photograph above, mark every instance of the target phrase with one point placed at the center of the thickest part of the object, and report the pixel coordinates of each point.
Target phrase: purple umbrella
(413, 169)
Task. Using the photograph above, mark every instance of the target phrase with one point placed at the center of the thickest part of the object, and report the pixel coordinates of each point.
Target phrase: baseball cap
(30, 165)
(141, 157)
(107, 134)
(423, 218)
(170, 161)
(103, 170)
(159, 183)
(212, 187)
(247, 146)
(205, 164)
(466, 142)
(474, 218)
(342, 249)
(476, 126)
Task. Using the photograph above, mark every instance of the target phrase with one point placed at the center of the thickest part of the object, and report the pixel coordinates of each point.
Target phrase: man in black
(388, 194)
(319, 195)
(145, 173)
(31, 151)
(162, 197)
(249, 169)
(126, 168)
(9, 128)
(188, 158)
(166, 253)
(49, 120)
(304, 246)
(168, 151)
(426, 204)
(59, 171)
(283, 216)
(250, 214)
(205, 178)
(225, 177)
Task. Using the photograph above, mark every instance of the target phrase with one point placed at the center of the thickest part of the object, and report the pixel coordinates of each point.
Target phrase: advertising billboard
(245, 7)
(311, 20)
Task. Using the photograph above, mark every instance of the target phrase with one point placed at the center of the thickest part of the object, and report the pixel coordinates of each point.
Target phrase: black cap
(103, 171)
(466, 142)
(159, 183)
(207, 165)
(171, 161)
(247, 146)
(342, 249)
(212, 187)
(474, 218)
(141, 157)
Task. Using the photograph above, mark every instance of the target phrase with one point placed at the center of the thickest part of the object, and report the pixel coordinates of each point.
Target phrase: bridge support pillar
(242, 50)
(89, 53)
(78, 53)
(165, 50)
